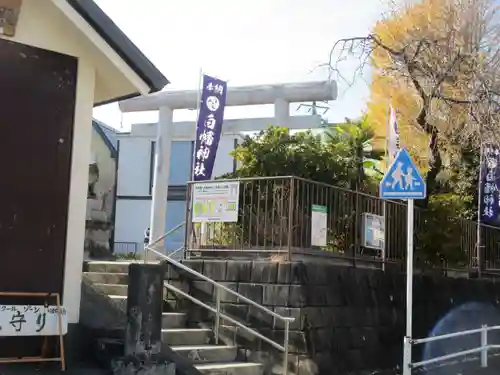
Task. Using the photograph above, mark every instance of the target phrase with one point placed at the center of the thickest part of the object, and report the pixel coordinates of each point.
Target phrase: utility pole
(313, 110)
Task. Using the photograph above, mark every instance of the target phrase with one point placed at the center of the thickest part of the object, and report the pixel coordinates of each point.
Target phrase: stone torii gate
(281, 95)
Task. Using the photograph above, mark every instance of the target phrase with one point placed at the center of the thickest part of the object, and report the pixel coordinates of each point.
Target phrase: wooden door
(37, 98)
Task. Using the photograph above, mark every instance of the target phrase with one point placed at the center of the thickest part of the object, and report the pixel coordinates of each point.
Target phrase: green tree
(357, 138)
(340, 155)
(439, 240)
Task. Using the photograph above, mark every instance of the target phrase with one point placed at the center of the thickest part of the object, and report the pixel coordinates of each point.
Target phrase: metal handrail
(176, 251)
(483, 348)
(449, 335)
(223, 316)
(217, 310)
(171, 231)
(220, 286)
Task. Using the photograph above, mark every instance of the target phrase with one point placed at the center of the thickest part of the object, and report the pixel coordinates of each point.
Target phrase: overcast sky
(244, 42)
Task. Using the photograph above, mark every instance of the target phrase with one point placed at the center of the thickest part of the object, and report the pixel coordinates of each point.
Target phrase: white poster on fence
(215, 202)
(31, 320)
(319, 216)
(373, 231)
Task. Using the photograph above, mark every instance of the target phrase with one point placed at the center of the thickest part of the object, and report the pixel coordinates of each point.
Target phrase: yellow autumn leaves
(428, 19)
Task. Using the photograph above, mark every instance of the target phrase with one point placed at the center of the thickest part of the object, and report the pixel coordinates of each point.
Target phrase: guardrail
(483, 349)
(160, 240)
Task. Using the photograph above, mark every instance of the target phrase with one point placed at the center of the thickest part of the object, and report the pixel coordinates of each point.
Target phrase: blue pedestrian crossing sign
(402, 180)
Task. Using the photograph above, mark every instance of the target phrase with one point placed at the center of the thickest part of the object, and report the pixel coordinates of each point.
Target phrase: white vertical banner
(393, 143)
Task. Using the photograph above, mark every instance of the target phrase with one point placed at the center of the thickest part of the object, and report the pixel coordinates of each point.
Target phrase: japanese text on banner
(209, 127)
(490, 198)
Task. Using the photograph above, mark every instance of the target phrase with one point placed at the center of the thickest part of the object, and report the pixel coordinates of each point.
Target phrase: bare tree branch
(452, 65)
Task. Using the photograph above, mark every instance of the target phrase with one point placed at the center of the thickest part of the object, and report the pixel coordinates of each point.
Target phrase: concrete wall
(347, 320)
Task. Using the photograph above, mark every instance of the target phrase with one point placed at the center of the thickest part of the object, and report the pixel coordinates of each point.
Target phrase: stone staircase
(192, 343)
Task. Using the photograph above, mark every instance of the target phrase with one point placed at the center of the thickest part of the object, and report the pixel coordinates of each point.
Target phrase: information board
(215, 201)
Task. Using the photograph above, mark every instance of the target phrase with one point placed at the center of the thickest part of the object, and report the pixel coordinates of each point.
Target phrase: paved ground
(49, 370)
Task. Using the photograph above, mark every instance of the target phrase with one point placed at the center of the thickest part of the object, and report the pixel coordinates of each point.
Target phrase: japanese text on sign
(209, 127)
(490, 202)
(31, 320)
(216, 202)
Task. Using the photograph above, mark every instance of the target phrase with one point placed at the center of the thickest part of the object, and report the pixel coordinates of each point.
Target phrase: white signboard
(373, 231)
(319, 218)
(31, 320)
(215, 202)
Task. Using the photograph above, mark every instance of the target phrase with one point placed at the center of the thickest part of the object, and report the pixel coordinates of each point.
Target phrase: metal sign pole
(409, 290)
(403, 181)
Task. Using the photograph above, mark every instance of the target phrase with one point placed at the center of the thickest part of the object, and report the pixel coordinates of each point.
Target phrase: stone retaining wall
(347, 320)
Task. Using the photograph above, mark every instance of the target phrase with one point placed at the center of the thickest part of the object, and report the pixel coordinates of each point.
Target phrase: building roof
(120, 43)
(108, 135)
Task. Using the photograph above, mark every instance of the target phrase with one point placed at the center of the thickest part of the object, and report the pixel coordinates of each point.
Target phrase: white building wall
(75, 238)
(133, 166)
(132, 217)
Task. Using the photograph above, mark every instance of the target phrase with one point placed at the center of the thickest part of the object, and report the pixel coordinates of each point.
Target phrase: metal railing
(483, 348)
(219, 288)
(125, 247)
(147, 248)
(274, 215)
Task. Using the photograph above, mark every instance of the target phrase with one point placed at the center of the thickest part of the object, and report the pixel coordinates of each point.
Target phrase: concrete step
(120, 301)
(207, 353)
(112, 266)
(235, 368)
(109, 266)
(186, 336)
(107, 278)
(112, 289)
(173, 320)
(118, 294)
